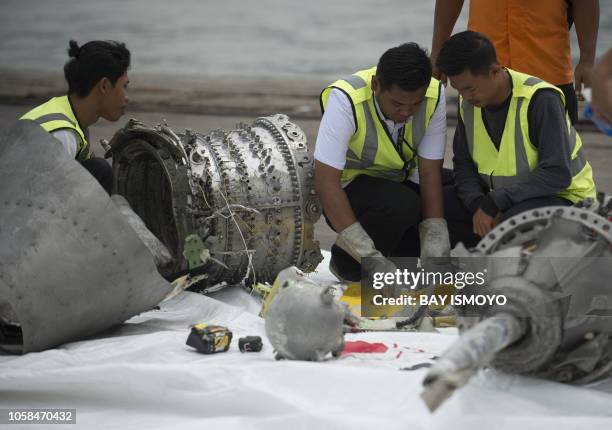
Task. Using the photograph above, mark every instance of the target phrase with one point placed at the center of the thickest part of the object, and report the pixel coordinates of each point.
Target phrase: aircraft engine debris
(246, 196)
(304, 321)
(554, 266)
(71, 265)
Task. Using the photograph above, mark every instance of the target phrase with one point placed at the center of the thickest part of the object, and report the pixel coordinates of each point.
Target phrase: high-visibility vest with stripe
(517, 157)
(57, 114)
(371, 150)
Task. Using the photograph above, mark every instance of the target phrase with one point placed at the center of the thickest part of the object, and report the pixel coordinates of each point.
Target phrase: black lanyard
(398, 143)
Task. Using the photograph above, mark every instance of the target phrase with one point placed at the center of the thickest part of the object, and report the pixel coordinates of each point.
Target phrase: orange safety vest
(530, 36)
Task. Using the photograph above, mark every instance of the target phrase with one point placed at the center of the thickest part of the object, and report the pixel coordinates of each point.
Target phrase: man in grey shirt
(514, 148)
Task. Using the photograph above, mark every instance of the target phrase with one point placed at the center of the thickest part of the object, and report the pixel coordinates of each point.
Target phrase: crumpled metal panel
(565, 253)
(553, 265)
(247, 193)
(70, 264)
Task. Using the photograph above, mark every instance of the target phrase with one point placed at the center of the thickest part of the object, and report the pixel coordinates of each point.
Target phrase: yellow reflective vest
(371, 150)
(517, 157)
(57, 114)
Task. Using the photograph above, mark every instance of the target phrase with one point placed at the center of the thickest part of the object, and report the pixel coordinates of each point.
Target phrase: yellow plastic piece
(262, 290)
(352, 297)
(290, 273)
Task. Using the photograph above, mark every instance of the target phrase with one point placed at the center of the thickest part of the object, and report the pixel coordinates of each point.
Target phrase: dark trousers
(459, 218)
(390, 213)
(101, 170)
(571, 101)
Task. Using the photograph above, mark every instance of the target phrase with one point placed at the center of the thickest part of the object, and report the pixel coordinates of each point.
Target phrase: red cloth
(360, 346)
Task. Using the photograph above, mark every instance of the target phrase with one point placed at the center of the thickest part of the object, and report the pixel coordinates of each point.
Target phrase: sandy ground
(206, 104)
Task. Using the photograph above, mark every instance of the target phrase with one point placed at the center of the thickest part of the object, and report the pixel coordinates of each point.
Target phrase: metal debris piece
(304, 321)
(473, 350)
(160, 254)
(70, 263)
(554, 266)
(248, 194)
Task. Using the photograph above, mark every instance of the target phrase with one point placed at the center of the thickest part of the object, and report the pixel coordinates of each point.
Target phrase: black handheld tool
(250, 344)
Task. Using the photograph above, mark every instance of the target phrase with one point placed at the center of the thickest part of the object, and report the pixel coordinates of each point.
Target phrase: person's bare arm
(430, 178)
(445, 17)
(601, 80)
(586, 19)
(333, 198)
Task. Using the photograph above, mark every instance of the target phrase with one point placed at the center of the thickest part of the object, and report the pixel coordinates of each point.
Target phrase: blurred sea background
(209, 64)
(295, 39)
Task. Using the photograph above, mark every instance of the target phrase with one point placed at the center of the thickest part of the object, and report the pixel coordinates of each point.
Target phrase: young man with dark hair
(97, 88)
(514, 146)
(378, 162)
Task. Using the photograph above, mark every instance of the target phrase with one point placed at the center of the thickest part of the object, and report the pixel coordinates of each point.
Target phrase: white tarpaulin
(143, 376)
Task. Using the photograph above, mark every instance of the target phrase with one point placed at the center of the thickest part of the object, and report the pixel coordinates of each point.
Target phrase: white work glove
(435, 243)
(356, 241)
(359, 245)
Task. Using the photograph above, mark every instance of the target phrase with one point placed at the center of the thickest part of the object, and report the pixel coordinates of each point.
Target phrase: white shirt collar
(393, 126)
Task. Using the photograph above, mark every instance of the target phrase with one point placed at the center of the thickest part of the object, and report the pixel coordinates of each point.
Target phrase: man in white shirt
(378, 163)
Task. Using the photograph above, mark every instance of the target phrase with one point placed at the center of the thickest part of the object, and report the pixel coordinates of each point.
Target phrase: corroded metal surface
(248, 194)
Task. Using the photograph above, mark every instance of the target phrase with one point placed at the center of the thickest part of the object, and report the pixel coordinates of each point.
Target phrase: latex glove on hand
(359, 245)
(435, 243)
